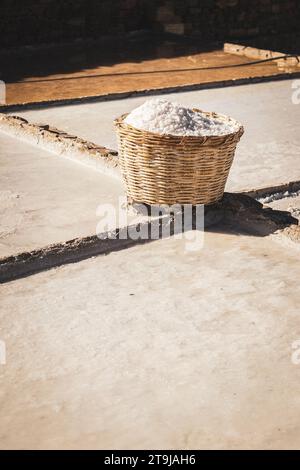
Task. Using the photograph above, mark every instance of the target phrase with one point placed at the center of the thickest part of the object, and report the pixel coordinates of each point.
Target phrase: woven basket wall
(166, 169)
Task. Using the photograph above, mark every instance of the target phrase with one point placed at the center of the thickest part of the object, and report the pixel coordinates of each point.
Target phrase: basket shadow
(236, 213)
(244, 215)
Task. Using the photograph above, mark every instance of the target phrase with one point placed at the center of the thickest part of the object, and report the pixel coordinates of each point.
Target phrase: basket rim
(119, 122)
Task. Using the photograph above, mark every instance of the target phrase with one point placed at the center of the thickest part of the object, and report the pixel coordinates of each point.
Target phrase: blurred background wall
(27, 22)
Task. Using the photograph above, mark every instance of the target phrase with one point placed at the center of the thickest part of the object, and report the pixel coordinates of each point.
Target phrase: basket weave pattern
(166, 169)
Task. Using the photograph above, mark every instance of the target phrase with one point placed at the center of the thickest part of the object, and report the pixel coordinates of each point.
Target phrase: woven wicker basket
(166, 169)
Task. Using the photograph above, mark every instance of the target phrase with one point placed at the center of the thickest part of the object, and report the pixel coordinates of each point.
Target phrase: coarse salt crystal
(165, 117)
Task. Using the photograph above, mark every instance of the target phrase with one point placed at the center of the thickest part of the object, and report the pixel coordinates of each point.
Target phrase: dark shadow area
(245, 215)
(82, 56)
(16, 65)
(288, 43)
(84, 34)
(236, 212)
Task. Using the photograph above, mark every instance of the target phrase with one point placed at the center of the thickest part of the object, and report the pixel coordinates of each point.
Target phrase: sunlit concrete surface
(269, 152)
(155, 347)
(46, 199)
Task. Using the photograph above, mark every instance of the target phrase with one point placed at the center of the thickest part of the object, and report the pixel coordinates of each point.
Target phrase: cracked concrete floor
(155, 347)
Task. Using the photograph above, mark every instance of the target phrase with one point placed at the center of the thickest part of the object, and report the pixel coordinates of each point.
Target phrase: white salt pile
(164, 117)
(277, 196)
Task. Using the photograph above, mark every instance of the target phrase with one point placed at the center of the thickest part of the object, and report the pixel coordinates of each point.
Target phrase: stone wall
(45, 21)
(226, 19)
